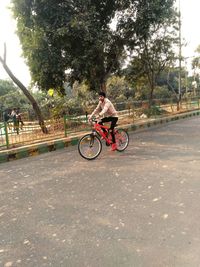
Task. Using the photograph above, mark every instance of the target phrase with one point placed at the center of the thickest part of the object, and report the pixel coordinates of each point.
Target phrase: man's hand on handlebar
(97, 118)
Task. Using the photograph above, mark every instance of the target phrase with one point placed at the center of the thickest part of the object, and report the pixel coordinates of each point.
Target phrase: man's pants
(113, 121)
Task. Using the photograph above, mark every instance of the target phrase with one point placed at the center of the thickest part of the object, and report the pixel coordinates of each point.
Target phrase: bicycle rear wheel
(122, 139)
(89, 146)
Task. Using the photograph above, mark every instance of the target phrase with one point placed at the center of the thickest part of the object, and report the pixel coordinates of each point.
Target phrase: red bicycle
(90, 145)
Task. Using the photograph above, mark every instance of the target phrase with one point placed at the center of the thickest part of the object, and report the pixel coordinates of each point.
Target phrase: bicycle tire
(122, 139)
(89, 146)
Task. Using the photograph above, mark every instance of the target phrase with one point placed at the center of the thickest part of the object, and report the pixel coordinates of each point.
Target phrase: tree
(196, 67)
(153, 53)
(118, 87)
(76, 36)
(11, 97)
(25, 91)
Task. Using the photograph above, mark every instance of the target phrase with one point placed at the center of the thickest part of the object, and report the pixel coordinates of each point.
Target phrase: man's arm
(97, 110)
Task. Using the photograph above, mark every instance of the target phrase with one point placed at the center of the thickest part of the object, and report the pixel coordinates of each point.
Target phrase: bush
(120, 106)
(120, 98)
(162, 93)
(152, 111)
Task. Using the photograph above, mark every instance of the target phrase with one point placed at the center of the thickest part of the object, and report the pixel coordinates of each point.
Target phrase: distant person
(19, 118)
(6, 115)
(15, 120)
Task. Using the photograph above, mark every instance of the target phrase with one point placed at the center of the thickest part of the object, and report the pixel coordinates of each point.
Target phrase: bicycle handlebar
(94, 120)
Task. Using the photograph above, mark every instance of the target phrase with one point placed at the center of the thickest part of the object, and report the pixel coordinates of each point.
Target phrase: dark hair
(102, 94)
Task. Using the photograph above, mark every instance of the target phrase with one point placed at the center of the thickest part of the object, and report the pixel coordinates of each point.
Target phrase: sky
(190, 22)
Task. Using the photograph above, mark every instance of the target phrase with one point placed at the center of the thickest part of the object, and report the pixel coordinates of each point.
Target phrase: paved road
(139, 208)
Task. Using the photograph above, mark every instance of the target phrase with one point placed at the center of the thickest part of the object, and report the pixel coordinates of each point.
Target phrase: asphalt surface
(139, 208)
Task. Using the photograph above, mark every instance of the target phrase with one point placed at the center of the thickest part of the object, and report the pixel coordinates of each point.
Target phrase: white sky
(190, 23)
(7, 34)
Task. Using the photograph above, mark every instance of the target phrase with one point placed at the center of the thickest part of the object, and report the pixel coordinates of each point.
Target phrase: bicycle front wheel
(122, 139)
(89, 146)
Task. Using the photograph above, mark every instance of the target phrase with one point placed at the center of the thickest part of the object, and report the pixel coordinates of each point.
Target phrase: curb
(37, 149)
(160, 121)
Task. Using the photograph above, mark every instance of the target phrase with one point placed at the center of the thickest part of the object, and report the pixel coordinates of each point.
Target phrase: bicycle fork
(92, 138)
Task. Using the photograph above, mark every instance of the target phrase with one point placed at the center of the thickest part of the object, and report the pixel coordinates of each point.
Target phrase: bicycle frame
(99, 129)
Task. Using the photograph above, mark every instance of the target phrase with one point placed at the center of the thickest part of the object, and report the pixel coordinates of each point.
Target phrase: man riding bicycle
(106, 109)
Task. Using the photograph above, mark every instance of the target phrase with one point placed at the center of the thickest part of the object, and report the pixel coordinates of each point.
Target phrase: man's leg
(112, 127)
(113, 121)
(106, 119)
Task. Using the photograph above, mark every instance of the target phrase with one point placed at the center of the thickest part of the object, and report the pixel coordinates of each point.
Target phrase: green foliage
(154, 52)
(196, 60)
(11, 97)
(76, 36)
(119, 89)
(170, 78)
(196, 67)
(152, 111)
(162, 92)
(121, 98)
(6, 87)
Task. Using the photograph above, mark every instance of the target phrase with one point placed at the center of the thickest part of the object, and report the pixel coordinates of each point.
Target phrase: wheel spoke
(122, 140)
(89, 146)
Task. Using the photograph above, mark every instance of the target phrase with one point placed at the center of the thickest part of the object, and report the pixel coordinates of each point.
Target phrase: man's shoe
(113, 147)
(107, 144)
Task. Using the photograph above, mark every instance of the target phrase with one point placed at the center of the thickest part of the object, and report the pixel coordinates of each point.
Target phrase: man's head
(102, 95)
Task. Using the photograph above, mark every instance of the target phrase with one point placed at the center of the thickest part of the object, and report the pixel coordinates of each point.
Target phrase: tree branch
(25, 91)
(4, 56)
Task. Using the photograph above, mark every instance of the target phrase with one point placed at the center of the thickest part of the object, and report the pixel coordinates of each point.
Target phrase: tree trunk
(27, 94)
(151, 80)
(151, 96)
(103, 87)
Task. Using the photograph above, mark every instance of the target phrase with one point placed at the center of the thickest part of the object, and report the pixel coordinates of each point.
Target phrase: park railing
(4, 141)
(12, 136)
